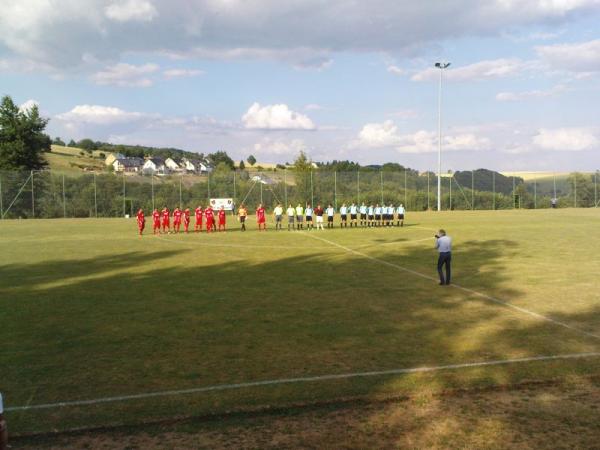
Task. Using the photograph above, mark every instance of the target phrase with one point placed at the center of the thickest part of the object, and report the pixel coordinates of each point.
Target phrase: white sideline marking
(457, 286)
(225, 387)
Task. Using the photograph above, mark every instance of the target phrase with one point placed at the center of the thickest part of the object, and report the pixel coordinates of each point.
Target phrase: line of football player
(210, 220)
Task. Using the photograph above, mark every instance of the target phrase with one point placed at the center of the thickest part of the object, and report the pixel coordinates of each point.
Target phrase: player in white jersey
(308, 212)
(391, 210)
(330, 213)
(377, 215)
(370, 215)
(290, 212)
(353, 215)
(401, 213)
(344, 216)
(363, 214)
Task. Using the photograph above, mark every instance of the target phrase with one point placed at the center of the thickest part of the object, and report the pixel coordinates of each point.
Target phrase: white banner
(226, 203)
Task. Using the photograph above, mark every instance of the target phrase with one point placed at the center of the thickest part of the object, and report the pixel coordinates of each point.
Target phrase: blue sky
(336, 79)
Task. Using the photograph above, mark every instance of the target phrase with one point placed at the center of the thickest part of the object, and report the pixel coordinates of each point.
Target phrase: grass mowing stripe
(457, 286)
(223, 387)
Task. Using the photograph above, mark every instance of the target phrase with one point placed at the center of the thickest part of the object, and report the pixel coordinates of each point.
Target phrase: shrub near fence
(46, 194)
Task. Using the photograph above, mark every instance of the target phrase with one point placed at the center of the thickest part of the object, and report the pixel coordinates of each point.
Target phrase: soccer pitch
(123, 329)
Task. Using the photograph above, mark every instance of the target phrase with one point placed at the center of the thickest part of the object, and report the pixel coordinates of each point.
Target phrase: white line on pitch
(226, 387)
(457, 286)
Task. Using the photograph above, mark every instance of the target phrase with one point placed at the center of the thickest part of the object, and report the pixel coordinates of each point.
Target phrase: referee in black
(443, 244)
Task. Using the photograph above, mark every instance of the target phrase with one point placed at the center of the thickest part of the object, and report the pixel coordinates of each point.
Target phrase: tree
(58, 141)
(87, 144)
(221, 157)
(302, 175)
(251, 160)
(242, 165)
(72, 143)
(22, 138)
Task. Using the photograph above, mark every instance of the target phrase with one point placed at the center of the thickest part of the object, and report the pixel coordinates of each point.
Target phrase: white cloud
(482, 70)
(516, 96)
(382, 135)
(131, 10)
(268, 146)
(126, 75)
(582, 57)
(396, 70)
(26, 106)
(275, 117)
(566, 139)
(299, 32)
(182, 73)
(99, 115)
(313, 107)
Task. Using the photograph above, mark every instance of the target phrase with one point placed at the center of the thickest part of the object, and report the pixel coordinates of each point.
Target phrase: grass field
(89, 310)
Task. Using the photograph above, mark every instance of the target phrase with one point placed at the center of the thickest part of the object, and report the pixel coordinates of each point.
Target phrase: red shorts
(261, 220)
(156, 224)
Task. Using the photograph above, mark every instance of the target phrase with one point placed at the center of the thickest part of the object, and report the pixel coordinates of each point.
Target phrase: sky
(337, 79)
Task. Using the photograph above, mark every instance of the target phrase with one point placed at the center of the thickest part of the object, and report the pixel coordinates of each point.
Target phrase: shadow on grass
(164, 320)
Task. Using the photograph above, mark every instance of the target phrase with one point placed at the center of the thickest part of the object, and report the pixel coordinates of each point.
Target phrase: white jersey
(343, 210)
(378, 211)
(290, 211)
(363, 209)
(308, 212)
(330, 212)
(371, 210)
(353, 209)
(278, 211)
(400, 210)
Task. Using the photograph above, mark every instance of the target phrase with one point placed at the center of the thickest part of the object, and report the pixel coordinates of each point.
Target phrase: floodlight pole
(441, 66)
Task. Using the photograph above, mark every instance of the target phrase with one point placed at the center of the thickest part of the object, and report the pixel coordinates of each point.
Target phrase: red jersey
(166, 215)
(177, 216)
(260, 215)
(141, 219)
(156, 216)
(209, 213)
(198, 213)
(186, 215)
(221, 216)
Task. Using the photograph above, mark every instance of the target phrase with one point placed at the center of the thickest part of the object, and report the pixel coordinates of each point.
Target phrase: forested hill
(484, 180)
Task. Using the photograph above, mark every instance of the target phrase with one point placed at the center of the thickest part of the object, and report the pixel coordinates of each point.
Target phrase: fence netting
(50, 194)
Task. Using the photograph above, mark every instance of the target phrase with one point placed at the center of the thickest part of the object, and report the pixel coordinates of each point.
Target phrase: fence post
(64, 198)
(95, 197)
(595, 190)
(358, 187)
(32, 197)
(152, 189)
(208, 185)
(381, 177)
(513, 192)
(450, 184)
(261, 196)
(180, 180)
(234, 193)
(285, 186)
(335, 190)
(406, 190)
(124, 210)
(1, 204)
(427, 189)
(574, 185)
(494, 191)
(312, 191)
(472, 190)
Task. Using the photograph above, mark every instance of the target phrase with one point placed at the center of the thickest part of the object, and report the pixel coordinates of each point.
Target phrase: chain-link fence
(47, 194)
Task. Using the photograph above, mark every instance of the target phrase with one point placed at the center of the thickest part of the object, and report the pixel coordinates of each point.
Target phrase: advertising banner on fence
(226, 203)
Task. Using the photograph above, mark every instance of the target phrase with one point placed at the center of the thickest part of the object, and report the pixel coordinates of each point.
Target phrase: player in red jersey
(141, 221)
(210, 218)
(166, 220)
(186, 219)
(260, 217)
(156, 221)
(199, 213)
(222, 218)
(177, 219)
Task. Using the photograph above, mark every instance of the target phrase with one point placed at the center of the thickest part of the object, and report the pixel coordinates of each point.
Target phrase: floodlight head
(442, 65)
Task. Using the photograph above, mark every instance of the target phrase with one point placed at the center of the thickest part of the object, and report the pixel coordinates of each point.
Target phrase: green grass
(69, 159)
(90, 310)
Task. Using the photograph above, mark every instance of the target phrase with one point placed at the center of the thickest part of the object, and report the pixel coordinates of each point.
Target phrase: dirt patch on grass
(532, 416)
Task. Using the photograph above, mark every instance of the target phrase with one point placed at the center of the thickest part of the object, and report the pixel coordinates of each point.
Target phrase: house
(110, 159)
(128, 165)
(172, 165)
(262, 179)
(155, 166)
(195, 166)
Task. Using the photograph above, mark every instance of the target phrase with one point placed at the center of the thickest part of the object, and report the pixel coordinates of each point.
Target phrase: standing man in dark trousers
(443, 244)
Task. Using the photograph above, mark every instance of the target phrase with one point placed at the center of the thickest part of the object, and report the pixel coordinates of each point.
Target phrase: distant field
(68, 159)
(91, 311)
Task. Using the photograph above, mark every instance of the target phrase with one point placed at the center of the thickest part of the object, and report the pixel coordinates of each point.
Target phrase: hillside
(73, 159)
